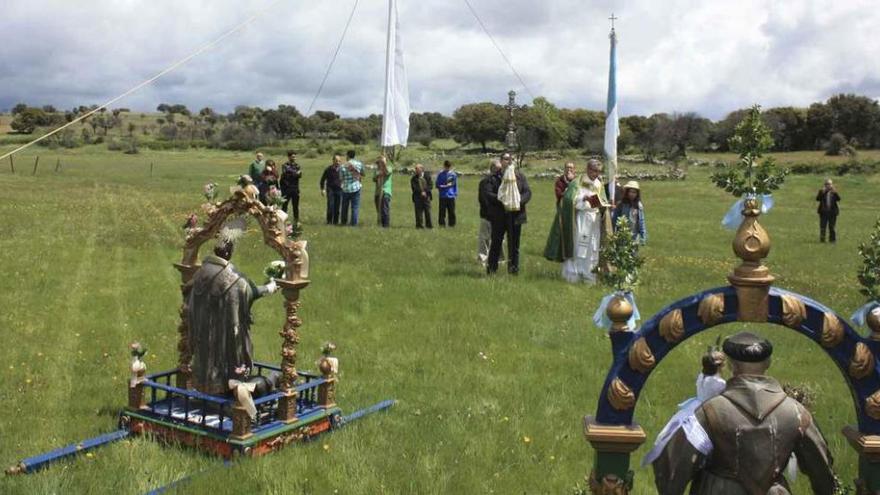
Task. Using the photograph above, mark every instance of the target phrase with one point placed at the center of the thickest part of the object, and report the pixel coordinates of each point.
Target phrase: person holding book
(581, 221)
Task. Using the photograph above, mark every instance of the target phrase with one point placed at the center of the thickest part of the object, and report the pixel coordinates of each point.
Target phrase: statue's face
(506, 160)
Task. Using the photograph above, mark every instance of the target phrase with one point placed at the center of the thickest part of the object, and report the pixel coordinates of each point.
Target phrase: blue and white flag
(612, 126)
(395, 118)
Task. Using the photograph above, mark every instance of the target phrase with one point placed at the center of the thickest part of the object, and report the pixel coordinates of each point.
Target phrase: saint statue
(220, 320)
(744, 439)
(580, 224)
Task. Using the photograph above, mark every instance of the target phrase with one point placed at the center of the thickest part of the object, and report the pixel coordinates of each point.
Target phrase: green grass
(86, 261)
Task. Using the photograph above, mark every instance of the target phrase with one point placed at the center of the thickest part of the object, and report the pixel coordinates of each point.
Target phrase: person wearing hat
(743, 439)
(219, 317)
(630, 206)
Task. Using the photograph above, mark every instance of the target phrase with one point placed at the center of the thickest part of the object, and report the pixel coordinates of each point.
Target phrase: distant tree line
(842, 124)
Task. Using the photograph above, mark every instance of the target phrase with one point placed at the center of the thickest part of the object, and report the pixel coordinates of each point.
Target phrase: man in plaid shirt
(350, 174)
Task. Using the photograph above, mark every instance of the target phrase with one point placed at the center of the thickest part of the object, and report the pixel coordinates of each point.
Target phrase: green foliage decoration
(621, 254)
(869, 274)
(751, 140)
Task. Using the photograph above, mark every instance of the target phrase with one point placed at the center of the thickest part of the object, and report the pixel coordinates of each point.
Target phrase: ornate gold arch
(750, 297)
(296, 277)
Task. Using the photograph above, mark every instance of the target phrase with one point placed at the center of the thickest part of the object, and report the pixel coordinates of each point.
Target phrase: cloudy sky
(708, 56)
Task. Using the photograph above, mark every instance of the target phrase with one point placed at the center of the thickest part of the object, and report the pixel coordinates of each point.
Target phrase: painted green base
(264, 441)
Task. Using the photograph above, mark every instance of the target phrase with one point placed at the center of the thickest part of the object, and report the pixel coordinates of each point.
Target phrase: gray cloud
(684, 55)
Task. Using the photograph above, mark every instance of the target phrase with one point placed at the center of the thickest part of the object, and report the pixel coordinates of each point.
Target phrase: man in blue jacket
(447, 185)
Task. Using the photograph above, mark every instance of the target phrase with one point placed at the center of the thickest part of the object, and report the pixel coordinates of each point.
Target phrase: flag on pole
(395, 119)
(612, 127)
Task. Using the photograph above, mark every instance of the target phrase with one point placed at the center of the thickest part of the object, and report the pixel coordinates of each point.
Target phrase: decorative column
(613, 444)
(241, 422)
(136, 399)
(329, 367)
(611, 474)
(290, 339)
(296, 278)
(184, 364)
(510, 137)
(751, 278)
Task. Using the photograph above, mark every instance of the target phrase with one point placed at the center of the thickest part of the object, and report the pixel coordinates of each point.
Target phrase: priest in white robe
(580, 224)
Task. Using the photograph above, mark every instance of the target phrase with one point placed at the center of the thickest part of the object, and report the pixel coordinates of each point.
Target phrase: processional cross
(510, 137)
(612, 19)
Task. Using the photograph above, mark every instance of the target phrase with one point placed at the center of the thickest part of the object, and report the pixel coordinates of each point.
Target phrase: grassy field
(492, 376)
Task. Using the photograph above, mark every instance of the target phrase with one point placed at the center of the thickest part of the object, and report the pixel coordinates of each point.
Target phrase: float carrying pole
(37, 462)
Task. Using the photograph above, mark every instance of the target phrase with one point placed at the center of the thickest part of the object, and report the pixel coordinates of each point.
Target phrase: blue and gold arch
(750, 297)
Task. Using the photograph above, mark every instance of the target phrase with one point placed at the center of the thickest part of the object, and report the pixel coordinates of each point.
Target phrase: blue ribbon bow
(734, 216)
(600, 318)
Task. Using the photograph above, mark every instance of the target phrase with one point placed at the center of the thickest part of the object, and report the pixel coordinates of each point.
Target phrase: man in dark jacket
(828, 210)
(422, 184)
(291, 172)
(505, 222)
(484, 235)
(331, 187)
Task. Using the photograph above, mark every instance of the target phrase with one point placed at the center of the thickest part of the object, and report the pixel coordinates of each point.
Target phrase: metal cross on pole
(612, 19)
(510, 137)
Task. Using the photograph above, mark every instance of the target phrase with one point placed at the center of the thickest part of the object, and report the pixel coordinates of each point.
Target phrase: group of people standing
(266, 175)
(585, 216)
(341, 184)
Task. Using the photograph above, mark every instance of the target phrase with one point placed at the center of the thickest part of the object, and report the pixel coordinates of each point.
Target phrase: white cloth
(684, 419)
(587, 237)
(243, 392)
(395, 121)
(508, 192)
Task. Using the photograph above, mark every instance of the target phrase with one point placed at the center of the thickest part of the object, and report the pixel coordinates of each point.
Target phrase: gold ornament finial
(619, 311)
(751, 278)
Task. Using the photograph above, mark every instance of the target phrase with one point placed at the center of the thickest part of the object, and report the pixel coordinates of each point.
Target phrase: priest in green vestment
(580, 225)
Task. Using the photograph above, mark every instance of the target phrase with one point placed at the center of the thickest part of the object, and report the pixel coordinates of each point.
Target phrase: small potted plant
(618, 311)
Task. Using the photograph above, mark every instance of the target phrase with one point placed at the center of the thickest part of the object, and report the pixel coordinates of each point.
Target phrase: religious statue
(580, 224)
(743, 439)
(220, 319)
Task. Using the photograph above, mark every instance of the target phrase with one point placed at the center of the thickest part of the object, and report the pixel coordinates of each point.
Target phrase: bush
(839, 146)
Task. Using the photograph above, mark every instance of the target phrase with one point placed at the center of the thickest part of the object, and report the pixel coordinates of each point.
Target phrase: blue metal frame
(168, 398)
(811, 327)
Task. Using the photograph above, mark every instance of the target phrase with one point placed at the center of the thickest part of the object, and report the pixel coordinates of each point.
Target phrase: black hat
(747, 347)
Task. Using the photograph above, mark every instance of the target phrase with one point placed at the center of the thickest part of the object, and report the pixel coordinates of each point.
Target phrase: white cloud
(679, 55)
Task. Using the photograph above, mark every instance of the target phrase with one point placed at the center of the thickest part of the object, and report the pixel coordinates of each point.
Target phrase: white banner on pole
(395, 119)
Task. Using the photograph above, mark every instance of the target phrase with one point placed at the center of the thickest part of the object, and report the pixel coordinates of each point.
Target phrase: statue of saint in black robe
(219, 324)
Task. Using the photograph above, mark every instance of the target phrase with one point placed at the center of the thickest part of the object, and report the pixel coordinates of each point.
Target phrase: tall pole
(510, 138)
(612, 125)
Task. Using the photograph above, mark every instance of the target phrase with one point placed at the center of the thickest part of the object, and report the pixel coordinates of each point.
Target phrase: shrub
(839, 146)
